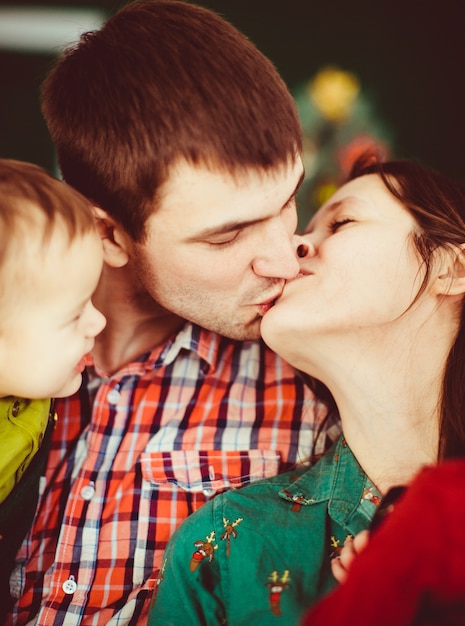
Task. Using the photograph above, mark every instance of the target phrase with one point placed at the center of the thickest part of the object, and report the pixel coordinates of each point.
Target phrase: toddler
(50, 262)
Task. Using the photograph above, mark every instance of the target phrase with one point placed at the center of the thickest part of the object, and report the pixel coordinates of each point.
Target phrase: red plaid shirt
(193, 417)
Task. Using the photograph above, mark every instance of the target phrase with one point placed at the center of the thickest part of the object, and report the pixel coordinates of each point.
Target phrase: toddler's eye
(76, 319)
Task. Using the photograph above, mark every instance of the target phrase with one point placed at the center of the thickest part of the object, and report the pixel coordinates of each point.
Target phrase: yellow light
(333, 92)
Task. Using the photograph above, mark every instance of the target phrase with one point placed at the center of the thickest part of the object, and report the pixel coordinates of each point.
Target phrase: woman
(376, 316)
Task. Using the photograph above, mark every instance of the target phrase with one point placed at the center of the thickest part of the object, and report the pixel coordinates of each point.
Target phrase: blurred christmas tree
(339, 122)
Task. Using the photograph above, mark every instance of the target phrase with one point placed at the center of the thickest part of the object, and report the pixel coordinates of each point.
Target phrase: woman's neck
(388, 394)
(391, 434)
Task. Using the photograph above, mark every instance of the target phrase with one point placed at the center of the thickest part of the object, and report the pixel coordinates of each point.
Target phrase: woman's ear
(114, 239)
(451, 277)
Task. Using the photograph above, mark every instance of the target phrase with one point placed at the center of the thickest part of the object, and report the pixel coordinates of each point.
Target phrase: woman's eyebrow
(328, 210)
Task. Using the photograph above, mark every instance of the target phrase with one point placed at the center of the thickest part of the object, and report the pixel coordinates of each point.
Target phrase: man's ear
(451, 277)
(114, 239)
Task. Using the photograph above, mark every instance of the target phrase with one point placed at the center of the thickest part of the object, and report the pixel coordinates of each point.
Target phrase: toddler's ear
(451, 278)
(114, 239)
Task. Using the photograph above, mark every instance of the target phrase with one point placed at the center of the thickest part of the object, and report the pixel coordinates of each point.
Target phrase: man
(187, 141)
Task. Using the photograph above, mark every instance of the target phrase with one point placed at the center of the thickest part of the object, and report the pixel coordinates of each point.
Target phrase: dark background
(410, 55)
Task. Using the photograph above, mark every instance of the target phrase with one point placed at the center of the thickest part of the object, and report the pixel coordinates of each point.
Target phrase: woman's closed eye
(336, 224)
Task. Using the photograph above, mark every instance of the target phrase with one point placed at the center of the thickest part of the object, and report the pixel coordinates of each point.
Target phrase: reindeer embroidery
(370, 496)
(205, 549)
(230, 531)
(336, 547)
(297, 500)
(276, 585)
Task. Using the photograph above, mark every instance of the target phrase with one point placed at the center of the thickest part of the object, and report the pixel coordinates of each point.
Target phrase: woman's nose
(303, 247)
(302, 250)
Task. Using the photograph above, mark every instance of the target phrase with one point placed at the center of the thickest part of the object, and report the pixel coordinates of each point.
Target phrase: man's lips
(265, 306)
(268, 304)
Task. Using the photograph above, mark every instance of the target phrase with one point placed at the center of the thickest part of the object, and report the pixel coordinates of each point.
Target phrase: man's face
(220, 248)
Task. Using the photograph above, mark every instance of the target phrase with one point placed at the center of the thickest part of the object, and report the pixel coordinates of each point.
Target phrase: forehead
(193, 191)
(39, 246)
(365, 192)
(368, 188)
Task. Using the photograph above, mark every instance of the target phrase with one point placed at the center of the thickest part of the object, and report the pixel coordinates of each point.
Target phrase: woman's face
(360, 273)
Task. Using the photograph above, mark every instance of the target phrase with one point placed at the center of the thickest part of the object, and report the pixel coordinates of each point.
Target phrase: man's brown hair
(163, 81)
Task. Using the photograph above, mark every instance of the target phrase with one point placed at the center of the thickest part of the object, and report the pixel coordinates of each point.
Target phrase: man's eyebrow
(238, 225)
(225, 228)
(298, 186)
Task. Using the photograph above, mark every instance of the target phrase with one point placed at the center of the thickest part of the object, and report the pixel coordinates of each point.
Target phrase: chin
(266, 326)
(239, 330)
(250, 332)
(242, 334)
(69, 388)
(275, 337)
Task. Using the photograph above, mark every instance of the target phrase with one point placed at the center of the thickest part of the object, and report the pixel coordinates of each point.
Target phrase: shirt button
(208, 492)
(69, 586)
(87, 492)
(113, 396)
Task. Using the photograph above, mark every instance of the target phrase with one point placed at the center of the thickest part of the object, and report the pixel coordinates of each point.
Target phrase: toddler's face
(52, 322)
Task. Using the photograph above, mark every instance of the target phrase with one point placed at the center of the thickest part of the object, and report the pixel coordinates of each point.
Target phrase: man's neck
(135, 322)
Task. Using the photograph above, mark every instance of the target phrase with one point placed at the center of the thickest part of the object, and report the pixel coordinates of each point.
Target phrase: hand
(340, 565)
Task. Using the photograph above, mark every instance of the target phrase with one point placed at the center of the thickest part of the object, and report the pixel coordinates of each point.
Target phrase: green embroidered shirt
(260, 555)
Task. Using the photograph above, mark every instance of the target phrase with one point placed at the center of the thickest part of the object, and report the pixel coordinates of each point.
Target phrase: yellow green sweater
(22, 427)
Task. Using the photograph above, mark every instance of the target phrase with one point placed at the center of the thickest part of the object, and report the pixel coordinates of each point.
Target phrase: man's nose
(278, 259)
